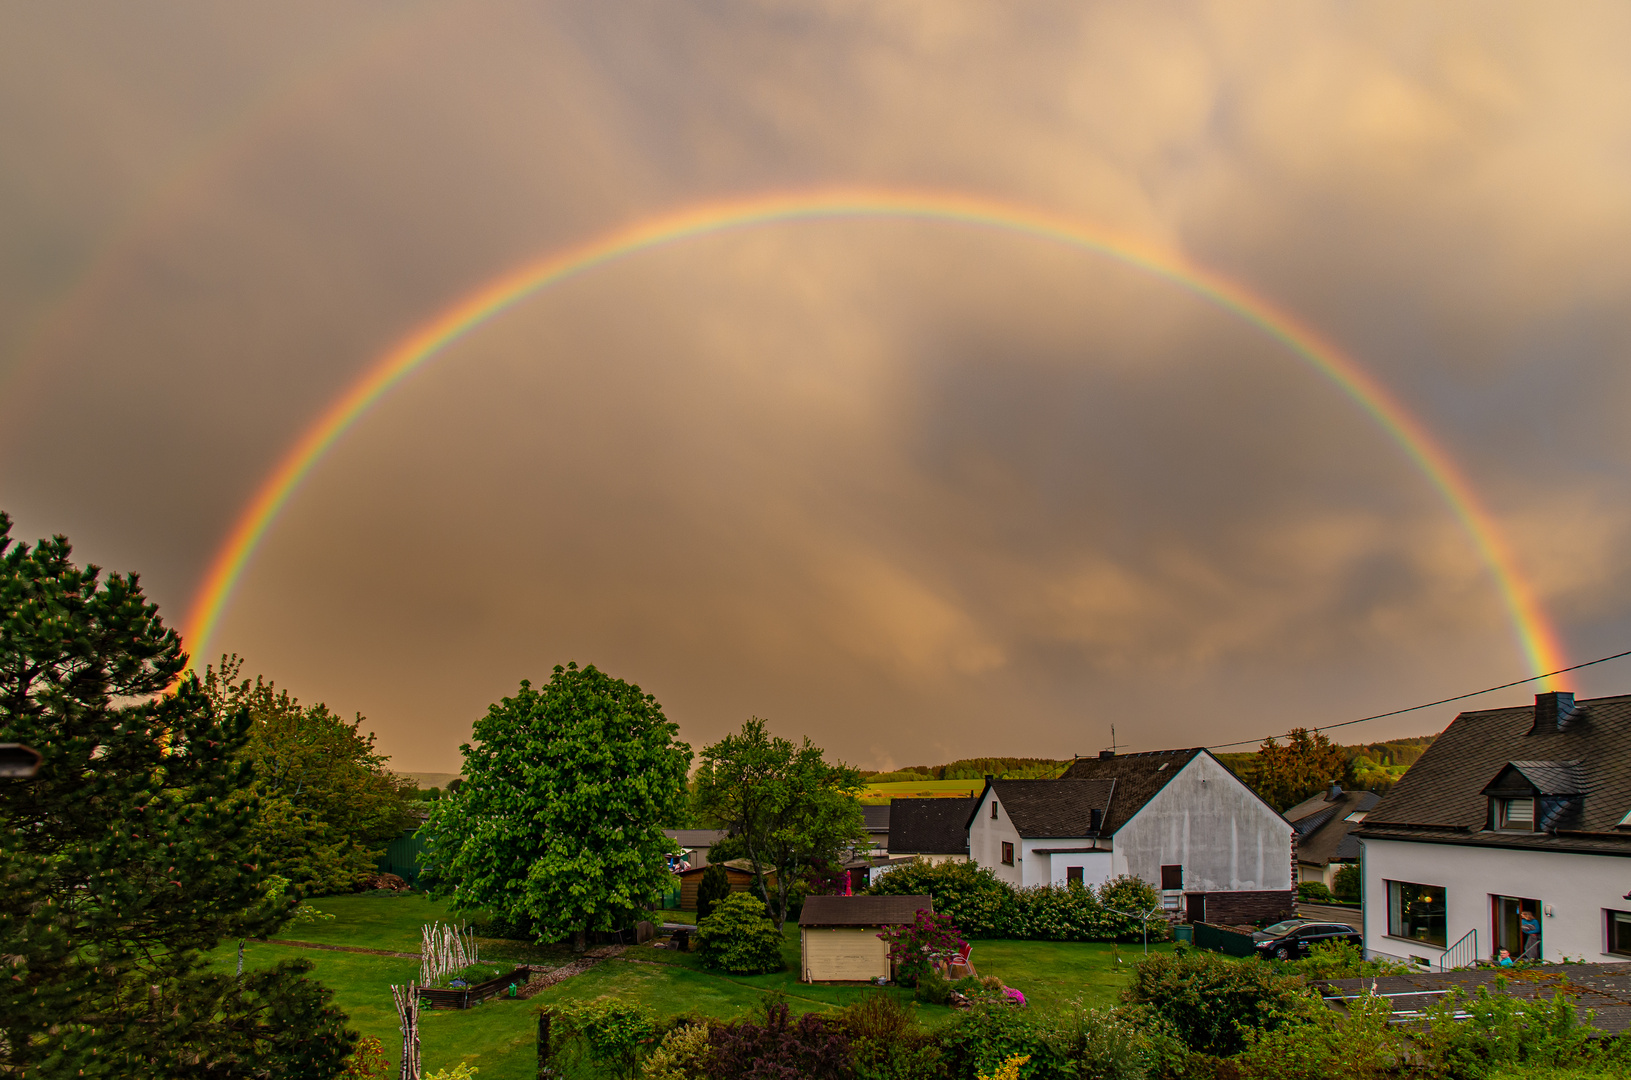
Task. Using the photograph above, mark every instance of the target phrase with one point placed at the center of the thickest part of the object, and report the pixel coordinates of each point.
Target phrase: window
(1172, 877)
(1515, 815)
(1619, 932)
(1416, 912)
(1007, 853)
(1356, 817)
(1073, 876)
(993, 809)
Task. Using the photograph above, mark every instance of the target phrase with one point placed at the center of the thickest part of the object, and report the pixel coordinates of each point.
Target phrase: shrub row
(1191, 1016)
(981, 906)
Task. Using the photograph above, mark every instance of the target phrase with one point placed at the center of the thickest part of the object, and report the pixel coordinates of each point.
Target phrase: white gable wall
(1212, 825)
(985, 838)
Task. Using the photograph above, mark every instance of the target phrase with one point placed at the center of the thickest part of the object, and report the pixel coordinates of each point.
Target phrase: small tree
(914, 946)
(714, 887)
(1308, 762)
(1345, 886)
(559, 816)
(739, 938)
(786, 808)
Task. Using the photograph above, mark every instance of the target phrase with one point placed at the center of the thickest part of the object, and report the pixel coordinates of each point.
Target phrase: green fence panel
(402, 857)
(1224, 939)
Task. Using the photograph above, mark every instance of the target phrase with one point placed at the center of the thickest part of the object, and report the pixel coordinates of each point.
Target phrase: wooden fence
(465, 997)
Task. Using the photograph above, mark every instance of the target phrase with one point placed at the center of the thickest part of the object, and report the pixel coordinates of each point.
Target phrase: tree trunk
(580, 940)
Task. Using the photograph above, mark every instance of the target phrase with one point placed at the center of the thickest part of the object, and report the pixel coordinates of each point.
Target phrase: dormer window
(1514, 815)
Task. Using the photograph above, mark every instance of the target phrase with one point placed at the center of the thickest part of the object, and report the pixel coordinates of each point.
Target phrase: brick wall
(1241, 908)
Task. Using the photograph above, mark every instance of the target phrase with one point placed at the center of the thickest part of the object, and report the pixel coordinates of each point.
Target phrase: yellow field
(920, 789)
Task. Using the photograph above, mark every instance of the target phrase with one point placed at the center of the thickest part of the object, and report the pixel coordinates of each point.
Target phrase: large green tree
(127, 857)
(327, 803)
(558, 823)
(786, 808)
(1305, 764)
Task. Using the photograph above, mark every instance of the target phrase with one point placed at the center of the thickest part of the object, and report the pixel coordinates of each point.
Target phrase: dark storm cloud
(915, 489)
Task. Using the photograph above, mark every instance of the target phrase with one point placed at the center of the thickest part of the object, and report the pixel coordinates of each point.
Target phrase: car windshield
(1282, 927)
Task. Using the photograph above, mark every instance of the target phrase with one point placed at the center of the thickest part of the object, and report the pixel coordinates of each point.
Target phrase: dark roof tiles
(929, 826)
(862, 910)
(1138, 777)
(1441, 798)
(1053, 808)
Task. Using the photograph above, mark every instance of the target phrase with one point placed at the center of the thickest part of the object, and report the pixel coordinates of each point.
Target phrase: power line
(1430, 704)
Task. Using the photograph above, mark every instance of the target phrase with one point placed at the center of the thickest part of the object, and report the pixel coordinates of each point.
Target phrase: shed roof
(863, 910)
(741, 866)
(930, 826)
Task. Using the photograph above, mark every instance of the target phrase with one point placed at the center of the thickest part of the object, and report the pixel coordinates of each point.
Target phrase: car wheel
(1283, 952)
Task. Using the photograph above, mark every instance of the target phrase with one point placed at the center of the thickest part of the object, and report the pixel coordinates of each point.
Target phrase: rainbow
(1537, 640)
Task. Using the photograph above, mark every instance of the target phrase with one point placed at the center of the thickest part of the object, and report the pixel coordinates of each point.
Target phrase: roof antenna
(1112, 738)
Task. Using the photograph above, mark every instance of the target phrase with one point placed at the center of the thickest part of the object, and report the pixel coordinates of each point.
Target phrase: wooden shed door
(844, 955)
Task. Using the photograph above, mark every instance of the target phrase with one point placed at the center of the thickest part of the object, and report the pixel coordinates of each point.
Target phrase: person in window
(1505, 959)
(1530, 927)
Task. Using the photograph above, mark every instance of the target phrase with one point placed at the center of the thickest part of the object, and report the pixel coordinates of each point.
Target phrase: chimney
(1096, 818)
(987, 779)
(1106, 755)
(1335, 793)
(1553, 711)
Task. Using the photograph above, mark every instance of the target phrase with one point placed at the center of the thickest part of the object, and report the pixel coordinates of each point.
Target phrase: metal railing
(1464, 953)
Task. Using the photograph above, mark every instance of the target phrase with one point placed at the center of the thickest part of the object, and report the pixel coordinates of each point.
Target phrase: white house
(1179, 819)
(1510, 810)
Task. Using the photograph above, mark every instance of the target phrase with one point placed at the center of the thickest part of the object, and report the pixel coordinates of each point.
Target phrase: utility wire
(1430, 704)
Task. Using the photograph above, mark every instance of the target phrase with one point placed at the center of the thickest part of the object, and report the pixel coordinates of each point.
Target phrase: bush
(1360, 1047)
(933, 989)
(1211, 1001)
(739, 937)
(1314, 892)
(1345, 886)
(1341, 960)
(979, 1041)
(971, 895)
(886, 1043)
(810, 1049)
(611, 1032)
(913, 946)
(984, 907)
(714, 887)
(682, 1055)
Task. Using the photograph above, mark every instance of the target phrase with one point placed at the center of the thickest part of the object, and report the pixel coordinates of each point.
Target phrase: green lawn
(498, 1037)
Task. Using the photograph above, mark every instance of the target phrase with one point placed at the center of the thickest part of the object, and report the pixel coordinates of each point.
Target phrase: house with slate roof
(1510, 810)
(933, 830)
(1323, 827)
(1179, 819)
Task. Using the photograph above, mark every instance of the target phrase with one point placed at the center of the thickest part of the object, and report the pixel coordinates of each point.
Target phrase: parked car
(1295, 937)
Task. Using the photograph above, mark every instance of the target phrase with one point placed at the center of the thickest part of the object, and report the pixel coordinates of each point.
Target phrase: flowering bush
(916, 947)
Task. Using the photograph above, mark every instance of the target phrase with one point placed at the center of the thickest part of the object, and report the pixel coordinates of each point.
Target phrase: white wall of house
(1212, 825)
(986, 836)
(1575, 893)
(1041, 869)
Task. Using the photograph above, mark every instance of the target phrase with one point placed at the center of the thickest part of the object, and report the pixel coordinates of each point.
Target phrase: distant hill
(427, 780)
(1007, 768)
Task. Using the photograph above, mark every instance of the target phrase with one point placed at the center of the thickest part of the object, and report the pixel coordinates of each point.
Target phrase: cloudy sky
(918, 490)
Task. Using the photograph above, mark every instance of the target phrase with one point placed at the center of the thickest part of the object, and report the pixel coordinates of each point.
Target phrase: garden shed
(838, 935)
(738, 871)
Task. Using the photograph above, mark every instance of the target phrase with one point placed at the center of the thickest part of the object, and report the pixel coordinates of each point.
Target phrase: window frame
(1609, 937)
(1007, 853)
(1401, 895)
(1502, 814)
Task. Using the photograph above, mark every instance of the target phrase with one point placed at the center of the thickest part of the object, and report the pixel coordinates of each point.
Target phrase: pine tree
(123, 860)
